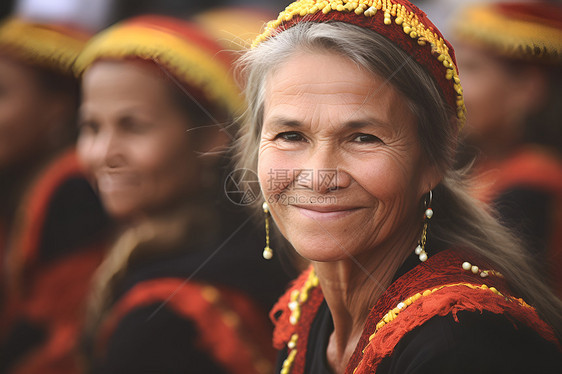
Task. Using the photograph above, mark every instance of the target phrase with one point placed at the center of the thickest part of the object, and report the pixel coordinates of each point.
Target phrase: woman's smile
(111, 181)
(325, 212)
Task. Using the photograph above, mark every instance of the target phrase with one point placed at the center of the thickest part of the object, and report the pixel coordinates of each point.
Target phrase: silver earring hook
(429, 200)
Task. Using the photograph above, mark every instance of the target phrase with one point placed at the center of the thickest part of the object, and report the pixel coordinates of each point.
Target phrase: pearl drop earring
(267, 251)
(420, 249)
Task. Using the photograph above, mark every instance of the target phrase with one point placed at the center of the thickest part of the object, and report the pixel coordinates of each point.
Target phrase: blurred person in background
(442, 11)
(52, 225)
(234, 27)
(510, 55)
(177, 291)
(129, 8)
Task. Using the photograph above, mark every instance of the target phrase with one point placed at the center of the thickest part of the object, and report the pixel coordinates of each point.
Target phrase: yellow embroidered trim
(285, 369)
(188, 62)
(393, 313)
(297, 298)
(509, 37)
(42, 44)
(411, 25)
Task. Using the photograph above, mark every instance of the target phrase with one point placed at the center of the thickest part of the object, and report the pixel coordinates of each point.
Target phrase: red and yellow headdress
(529, 31)
(182, 49)
(49, 46)
(397, 20)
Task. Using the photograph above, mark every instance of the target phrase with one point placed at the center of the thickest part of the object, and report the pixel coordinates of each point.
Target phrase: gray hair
(460, 221)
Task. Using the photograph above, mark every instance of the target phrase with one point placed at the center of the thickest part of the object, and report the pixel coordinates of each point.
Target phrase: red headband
(399, 21)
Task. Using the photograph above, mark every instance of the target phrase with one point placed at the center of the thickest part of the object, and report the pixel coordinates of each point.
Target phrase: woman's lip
(116, 180)
(325, 208)
(325, 212)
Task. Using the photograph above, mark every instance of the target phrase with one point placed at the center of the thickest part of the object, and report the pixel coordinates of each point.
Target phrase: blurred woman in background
(173, 293)
(52, 226)
(510, 56)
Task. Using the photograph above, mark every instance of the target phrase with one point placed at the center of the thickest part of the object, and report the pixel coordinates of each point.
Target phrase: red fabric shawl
(444, 288)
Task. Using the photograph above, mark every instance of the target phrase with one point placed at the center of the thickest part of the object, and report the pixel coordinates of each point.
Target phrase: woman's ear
(430, 178)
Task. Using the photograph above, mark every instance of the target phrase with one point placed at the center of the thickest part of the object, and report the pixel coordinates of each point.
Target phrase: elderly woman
(177, 291)
(353, 119)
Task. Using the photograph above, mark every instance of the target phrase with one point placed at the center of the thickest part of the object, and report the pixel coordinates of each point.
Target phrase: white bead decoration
(476, 270)
(429, 212)
(293, 305)
(267, 253)
(418, 250)
(423, 257)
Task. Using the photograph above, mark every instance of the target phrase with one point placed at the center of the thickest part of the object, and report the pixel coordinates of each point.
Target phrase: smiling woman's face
(340, 163)
(133, 140)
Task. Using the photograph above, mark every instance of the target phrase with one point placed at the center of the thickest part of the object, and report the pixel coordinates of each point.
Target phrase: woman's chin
(324, 250)
(119, 209)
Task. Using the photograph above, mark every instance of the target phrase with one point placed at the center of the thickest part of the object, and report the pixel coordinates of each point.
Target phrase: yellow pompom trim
(41, 44)
(409, 21)
(509, 37)
(187, 62)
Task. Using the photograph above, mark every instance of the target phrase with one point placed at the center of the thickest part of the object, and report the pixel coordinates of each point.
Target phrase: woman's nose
(323, 172)
(108, 149)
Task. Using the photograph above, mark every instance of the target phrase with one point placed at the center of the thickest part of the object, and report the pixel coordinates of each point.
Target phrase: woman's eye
(88, 126)
(366, 138)
(290, 136)
(134, 126)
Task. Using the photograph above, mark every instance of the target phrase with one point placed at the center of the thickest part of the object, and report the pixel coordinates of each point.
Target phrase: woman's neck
(351, 288)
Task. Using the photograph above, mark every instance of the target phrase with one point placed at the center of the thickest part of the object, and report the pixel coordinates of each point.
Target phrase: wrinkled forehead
(299, 94)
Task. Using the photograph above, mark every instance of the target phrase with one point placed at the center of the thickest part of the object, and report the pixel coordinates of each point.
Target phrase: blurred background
(95, 15)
